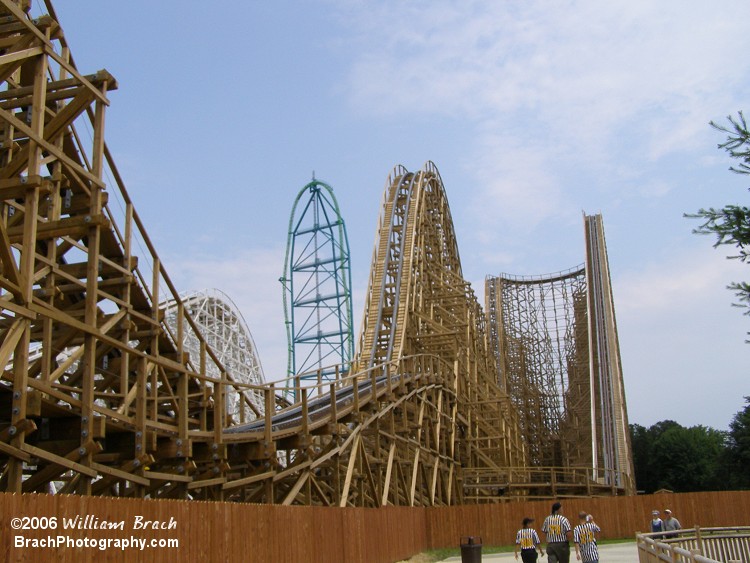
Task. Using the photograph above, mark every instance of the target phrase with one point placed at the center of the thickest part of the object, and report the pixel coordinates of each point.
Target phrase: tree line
(670, 456)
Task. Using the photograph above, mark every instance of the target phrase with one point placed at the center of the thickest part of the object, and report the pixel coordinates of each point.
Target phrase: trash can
(471, 549)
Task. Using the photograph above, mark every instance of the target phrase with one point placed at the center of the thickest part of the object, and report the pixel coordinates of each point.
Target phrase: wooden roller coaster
(99, 396)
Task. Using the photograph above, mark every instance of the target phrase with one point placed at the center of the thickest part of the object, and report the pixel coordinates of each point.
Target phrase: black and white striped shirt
(527, 538)
(556, 527)
(585, 536)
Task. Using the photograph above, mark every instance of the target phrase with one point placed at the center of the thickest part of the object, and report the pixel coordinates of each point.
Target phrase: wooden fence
(619, 517)
(208, 531)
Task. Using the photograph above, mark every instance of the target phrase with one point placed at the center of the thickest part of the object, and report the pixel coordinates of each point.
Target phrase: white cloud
(514, 186)
(560, 100)
(654, 188)
(596, 63)
(691, 279)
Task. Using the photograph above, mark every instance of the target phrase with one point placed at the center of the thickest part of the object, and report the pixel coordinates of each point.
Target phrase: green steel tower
(317, 286)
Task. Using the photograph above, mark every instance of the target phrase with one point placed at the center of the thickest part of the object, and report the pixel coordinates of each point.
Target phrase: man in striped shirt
(557, 529)
(584, 536)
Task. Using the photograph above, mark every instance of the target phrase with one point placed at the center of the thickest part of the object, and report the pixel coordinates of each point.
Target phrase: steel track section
(317, 284)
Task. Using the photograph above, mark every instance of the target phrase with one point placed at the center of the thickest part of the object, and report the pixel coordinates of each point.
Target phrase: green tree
(689, 459)
(640, 441)
(731, 224)
(647, 471)
(737, 454)
(669, 456)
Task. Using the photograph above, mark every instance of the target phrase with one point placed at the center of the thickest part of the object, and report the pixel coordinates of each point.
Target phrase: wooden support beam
(174, 448)
(12, 337)
(248, 480)
(349, 472)
(56, 90)
(20, 161)
(388, 471)
(206, 483)
(76, 227)
(294, 491)
(15, 452)
(20, 55)
(168, 477)
(15, 188)
(59, 465)
(120, 474)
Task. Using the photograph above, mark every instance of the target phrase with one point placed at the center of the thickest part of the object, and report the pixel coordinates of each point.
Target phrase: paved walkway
(625, 552)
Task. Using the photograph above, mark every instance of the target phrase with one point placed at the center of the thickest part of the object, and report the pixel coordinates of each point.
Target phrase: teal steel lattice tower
(317, 286)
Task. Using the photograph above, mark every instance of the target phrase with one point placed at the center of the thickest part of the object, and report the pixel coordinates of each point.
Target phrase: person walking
(527, 540)
(557, 530)
(671, 524)
(584, 536)
(657, 524)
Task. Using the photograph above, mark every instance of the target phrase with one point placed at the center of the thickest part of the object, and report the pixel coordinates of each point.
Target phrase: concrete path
(625, 552)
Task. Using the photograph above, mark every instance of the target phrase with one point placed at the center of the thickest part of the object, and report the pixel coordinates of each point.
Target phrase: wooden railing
(487, 484)
(699, 545)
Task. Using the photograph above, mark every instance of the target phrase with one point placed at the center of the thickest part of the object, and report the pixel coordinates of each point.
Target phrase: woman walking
(527, 540)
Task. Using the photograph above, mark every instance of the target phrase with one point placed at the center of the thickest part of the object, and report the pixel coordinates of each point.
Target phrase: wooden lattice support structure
(97, 395)
(419, 303)
(554, 338)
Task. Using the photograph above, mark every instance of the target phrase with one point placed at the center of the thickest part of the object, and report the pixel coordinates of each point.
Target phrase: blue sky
(533, 112)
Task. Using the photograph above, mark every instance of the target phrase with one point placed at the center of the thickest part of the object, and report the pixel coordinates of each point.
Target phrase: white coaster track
(225, 330)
